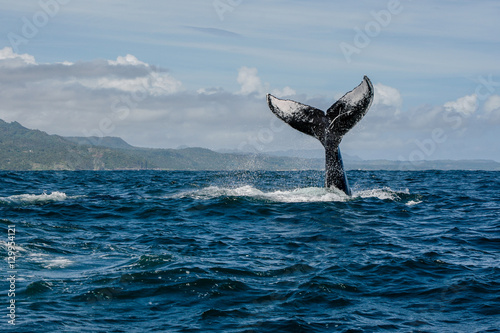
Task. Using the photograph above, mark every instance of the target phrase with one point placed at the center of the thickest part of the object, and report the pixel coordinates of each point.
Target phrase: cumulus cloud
(387, 96)
(387, 102)
(492, 104)
(153, 83)
(127, 60)
(82, 98)
(251, 83)
(492, 108)
(285, 92)
(465, 106)
(10, 59)
(126, 74)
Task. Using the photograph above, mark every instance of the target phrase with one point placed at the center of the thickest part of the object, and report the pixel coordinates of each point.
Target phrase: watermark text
(11, 274)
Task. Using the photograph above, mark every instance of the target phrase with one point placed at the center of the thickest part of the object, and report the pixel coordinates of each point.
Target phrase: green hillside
(25, 149)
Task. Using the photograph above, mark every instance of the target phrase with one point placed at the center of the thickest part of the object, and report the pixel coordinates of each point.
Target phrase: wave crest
(28, 199)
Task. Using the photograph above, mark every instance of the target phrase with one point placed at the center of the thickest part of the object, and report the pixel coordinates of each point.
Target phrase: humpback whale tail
(330, 127)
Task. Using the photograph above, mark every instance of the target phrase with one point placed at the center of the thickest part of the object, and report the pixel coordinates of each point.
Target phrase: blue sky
(195, 73)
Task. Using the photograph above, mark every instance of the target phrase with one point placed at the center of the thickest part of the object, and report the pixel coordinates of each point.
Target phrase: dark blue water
(152, 251)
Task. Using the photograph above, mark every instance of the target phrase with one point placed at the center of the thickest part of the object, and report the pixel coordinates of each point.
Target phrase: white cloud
(153, 83)
(466, 105)
(126, 74)
(250, 81)
(492, 108)
(387, 101)
(209, 91)
(127, 60)
(386, 95)
(285, 92)
(492, 104)
(10, 59)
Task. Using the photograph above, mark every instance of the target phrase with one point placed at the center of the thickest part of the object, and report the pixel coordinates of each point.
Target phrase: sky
(172, 73)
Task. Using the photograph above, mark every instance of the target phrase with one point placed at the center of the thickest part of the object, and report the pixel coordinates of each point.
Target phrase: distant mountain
(107, 141)
(25, 149)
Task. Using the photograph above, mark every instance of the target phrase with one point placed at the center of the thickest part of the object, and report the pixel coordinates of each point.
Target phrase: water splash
(308, 194)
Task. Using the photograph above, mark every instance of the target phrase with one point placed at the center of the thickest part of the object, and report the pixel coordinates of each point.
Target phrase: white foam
(57, 263)
(308, 194)
(48, 262)
(384, 193)
(34, 198)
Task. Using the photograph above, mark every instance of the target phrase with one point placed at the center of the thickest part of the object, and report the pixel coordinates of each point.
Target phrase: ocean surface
(155, 251)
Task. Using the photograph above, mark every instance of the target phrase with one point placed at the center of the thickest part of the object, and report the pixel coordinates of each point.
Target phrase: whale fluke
(330, 127)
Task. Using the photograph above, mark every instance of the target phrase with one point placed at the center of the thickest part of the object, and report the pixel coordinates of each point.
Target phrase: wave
(307, 194)
(27, 199)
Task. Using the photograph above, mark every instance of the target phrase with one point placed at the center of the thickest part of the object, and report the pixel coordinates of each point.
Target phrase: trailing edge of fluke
(330, 127)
